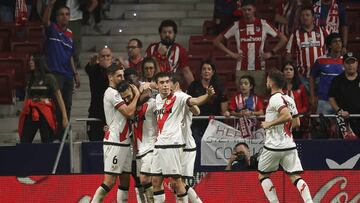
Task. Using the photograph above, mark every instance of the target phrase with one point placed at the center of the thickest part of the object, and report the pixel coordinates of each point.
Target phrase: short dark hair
(130, 71)
(161, 75)
(61, 7)
(122, 86)
(277, 77)
(331, 37)
(307, 7)
(112, 69)
(176, 77)
(168, 23)
(241, 143)
(139, 43)
(248, 2)
(251, 81)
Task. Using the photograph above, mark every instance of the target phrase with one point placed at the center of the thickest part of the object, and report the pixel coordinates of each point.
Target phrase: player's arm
(129, 110)
(47, 13)
(195, 110)
(203, 98)
(284, 116)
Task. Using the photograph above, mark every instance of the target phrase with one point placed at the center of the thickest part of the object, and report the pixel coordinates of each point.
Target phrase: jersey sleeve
(230, 31)
(292, 107)
(278, 103)
(184, 98)
(115, 99)
(291, 45)
(269, 29)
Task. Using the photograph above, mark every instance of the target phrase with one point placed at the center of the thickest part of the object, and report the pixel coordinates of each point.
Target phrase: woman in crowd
(149, 68)
(217, 105)
(244, 105)
(39, 108)
(296, 90)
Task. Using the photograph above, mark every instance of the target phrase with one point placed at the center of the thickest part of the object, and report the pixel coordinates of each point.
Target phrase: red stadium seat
(354, 45)
(27, 47)
(209, 27)
(15, 61)
(224, 62)
(195, 61)
(35, 32)
(7, 88)
(353, 15)
(201, 44)
(6, 32)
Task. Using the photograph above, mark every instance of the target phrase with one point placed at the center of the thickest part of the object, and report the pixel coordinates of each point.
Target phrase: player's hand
(162, 49)
(94, 60)
(265, 125)
(106, 128)
(265, 56)
(210, 91)
(135, 90)
(237, 56)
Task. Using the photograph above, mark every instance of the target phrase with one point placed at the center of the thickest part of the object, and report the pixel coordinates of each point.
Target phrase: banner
(341, 186)
(219, 140)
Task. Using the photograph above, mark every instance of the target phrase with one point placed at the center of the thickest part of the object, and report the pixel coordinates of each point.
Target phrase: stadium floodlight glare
(120, 30)
(134, 14)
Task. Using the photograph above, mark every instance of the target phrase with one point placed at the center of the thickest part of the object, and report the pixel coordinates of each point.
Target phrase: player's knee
(156, 181)
(110, 181)
(144, 180)
(263, 176)
(294, 177)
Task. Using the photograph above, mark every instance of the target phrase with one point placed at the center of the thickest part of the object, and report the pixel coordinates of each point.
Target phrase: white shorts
(143, 163)
(117, 158)
(167, 162)
(187, 163)
(270, 161)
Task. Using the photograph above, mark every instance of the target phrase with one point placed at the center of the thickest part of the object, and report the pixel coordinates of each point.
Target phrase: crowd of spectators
(314, 35)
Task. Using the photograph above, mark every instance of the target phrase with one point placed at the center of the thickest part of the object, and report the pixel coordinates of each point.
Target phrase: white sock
(149, 194)
(182, 198)
(269, 190)
(100, 193)
(193, 197)
(304, 191)
(122, 195)
(159, 197)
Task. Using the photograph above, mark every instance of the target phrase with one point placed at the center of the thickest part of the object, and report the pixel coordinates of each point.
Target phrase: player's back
(279, 136)
(118, 124)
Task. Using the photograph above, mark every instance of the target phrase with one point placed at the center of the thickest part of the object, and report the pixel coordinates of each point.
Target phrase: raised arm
(47, 13)
(202, 99)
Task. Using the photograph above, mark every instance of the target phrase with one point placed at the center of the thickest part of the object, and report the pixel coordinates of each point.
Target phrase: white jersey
(145, 127)
(170, 113)
(187, 133)
(279, 136)
(118, 124)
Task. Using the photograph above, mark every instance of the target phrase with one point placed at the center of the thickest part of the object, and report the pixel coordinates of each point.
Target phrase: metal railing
(67, 134)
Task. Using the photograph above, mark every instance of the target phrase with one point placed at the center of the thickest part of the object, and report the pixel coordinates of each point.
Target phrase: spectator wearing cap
(325, 68)
(344, 93)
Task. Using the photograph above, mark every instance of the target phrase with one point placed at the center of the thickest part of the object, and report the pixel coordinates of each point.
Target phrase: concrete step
(89, 43)
(169, 1)
(200, 14)
(193, 21)
(118, 10)
(204, 6)
(153, 30)
(156, 14)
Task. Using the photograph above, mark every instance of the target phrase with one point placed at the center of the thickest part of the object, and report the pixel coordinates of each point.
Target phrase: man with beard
(280, 148)
(171, 56)
(117, 152)
(96, 70)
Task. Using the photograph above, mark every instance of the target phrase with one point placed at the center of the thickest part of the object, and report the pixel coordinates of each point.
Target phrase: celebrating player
(169, 145)
(280, 148)
(117, 153)
(189, 152)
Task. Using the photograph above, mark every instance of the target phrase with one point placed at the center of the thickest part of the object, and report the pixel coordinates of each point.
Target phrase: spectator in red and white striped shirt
(307, 43)
(250, 34)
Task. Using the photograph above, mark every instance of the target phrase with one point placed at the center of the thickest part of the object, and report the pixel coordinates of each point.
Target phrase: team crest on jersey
(168, 102)
(317, 35)
(257, 29)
